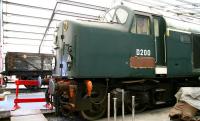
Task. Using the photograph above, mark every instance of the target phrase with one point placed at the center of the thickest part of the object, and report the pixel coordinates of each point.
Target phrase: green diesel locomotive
(147, 55)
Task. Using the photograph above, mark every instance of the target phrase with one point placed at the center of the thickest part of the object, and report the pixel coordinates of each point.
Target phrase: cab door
(142, 44)
(160, 45)
(159, 41)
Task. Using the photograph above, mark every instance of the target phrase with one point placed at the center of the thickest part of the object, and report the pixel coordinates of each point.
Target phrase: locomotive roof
(180, 25)
(174, 22)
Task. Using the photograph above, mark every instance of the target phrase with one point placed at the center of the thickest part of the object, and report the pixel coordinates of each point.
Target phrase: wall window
(142, 25)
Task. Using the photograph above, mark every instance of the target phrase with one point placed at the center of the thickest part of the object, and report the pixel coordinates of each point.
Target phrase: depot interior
(28, 29)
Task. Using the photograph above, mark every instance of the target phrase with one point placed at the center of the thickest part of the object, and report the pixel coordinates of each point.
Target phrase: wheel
(140, 103)
(98, 102)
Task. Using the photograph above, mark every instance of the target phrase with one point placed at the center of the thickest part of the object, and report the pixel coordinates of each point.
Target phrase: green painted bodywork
(103, 50)
(106, 53)
(179, 56)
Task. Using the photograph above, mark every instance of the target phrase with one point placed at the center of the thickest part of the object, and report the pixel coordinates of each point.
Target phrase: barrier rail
(27, 100)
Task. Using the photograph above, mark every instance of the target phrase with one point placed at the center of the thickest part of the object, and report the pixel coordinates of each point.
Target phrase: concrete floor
(153, 115)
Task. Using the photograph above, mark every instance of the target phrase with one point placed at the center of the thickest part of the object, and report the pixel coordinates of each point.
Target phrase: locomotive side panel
(105, 53)
(96, 56)
(179, 54)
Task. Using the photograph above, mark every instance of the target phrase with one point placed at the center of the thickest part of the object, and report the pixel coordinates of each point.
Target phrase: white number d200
(143, 52)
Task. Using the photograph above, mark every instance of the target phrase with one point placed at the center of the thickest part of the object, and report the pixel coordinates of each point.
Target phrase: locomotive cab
(144, 26)
(140, 46)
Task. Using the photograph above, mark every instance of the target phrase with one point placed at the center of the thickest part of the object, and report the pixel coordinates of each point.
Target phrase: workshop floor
(8, 103)
(152, 115)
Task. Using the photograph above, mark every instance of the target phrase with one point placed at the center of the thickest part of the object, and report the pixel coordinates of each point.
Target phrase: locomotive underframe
(148, 92)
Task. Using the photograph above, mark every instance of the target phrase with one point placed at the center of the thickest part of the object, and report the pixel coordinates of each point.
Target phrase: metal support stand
(123, 107)
(122, 104)
(133, 108)
(115, 109)
(108, 106)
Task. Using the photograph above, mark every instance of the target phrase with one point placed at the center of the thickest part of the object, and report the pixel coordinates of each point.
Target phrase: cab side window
(185, 38)
(109, 16)
(141, 25)
(121, 16)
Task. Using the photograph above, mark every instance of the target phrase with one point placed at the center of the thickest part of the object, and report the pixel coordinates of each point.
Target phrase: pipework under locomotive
(147, 55)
